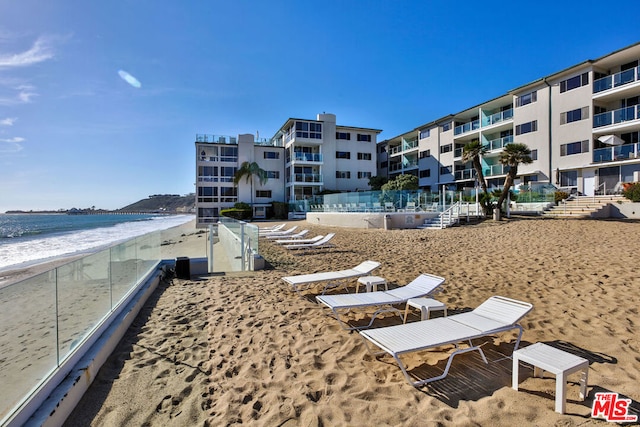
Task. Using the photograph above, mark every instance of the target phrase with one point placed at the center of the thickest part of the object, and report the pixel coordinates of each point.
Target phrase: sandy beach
(242, 348)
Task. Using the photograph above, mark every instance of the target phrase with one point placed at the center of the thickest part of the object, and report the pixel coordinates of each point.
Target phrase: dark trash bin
(182, 268)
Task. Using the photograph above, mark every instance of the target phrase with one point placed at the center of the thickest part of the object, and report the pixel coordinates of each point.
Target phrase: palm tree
(513, 155)
(471, 152)
(249, 170)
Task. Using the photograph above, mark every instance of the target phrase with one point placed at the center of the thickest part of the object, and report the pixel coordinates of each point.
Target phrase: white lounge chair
(271, 229)
(423, 285)
(280, 233)
(300, 234)
(320, 244)
(288, 241)
(332, 278)
(497, 314)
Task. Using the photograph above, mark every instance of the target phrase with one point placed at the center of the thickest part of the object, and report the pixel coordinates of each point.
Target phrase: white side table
(558, 362)
(426, 306)
(371, 283)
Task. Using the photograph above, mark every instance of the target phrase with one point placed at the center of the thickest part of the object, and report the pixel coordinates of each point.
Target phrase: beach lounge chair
(323, 243)
(287, 235)
(389, 207)
(497, 314)
(411, 207)
(331, 279)
(288, 241)
(267, 230)
(423, 285)
(279, 233)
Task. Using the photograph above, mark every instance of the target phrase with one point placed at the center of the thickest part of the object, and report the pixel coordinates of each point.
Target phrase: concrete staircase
(443, 220)
(582, 206)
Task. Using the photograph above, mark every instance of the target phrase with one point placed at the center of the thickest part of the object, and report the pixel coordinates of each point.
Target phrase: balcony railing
(405, 146)
(399, 166)
(498, 144)
(308, 177)
(219, 139)
(617, 152)
(616, 116)
(465, 174)
(466, 127)
(494, 170)
(307, 157)
(619, 79)
(458, 152)
(498, 117)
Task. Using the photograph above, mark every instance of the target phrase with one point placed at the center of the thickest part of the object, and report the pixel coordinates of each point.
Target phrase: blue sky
(74, 133)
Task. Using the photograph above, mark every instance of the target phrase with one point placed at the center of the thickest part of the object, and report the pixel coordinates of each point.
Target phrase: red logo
(611, 408)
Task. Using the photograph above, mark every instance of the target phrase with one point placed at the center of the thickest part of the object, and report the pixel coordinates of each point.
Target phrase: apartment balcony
(495, 170)
(464, 174)
(616, 153)
(497, 145)
(217, 159)
(457, 153)
(623, 119)
(499, 117)
(466, 127)
(396, 167)
(307, 157)
(307, 178)
(618, 84)
(404, 147)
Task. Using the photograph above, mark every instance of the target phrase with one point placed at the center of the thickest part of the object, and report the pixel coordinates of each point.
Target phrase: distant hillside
(163, 203)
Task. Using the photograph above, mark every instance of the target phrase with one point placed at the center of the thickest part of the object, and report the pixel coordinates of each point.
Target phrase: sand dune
(244, 349)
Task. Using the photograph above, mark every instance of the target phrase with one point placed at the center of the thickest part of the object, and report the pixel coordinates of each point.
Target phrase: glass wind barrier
(239, 241)
(616, 116)
(46, 317)
(616, 152)
(615, 80)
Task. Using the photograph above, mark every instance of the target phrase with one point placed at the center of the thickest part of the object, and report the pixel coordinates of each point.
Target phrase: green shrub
(239, 214)
(632, 192)
(242, 205)
(560, 195)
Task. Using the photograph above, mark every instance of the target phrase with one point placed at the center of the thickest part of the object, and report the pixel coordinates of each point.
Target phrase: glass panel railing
(308, 157)
(617, 116)
(466, 127)
(616, 80)
(457, 152)
(240, 243)
(602, 155)
(498, 117)
(499, 143)
(494, 170)
(84, 299)
(308, 177)
(124, 269)
(465, 174)
(28, 343)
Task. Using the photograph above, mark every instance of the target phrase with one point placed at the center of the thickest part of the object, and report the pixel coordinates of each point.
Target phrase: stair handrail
(604, 190)
(449, 212)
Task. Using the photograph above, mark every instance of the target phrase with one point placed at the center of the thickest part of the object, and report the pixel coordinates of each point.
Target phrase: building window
(271, 155)
(315, 130)
(384, 164)
(343, 154)
(343, 135)
(445, 170)
(228, 194)
(568, 179)
(425, 173)
(227, 174)
(207, 194)
(534, 155)
(425, 154)
(364, 156)
(574, 148)
(527, 98)
(574, 115)
(364, 174)
(364, 137)
(263, 193)
(446, 127)
(343, 174)
(229, 154)
(424, 133)
(446, 148)
(527, 127)
(574, 82)
(273, 174)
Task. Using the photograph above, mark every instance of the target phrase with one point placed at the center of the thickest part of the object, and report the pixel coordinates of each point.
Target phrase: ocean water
(32, 238)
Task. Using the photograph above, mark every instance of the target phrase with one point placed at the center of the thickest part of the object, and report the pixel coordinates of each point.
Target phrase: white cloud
(39, 52)
(11, 145)
(9, 121)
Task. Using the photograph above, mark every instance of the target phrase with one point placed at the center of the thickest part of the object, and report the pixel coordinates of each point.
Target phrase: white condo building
(304, 158)
(582, 125)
